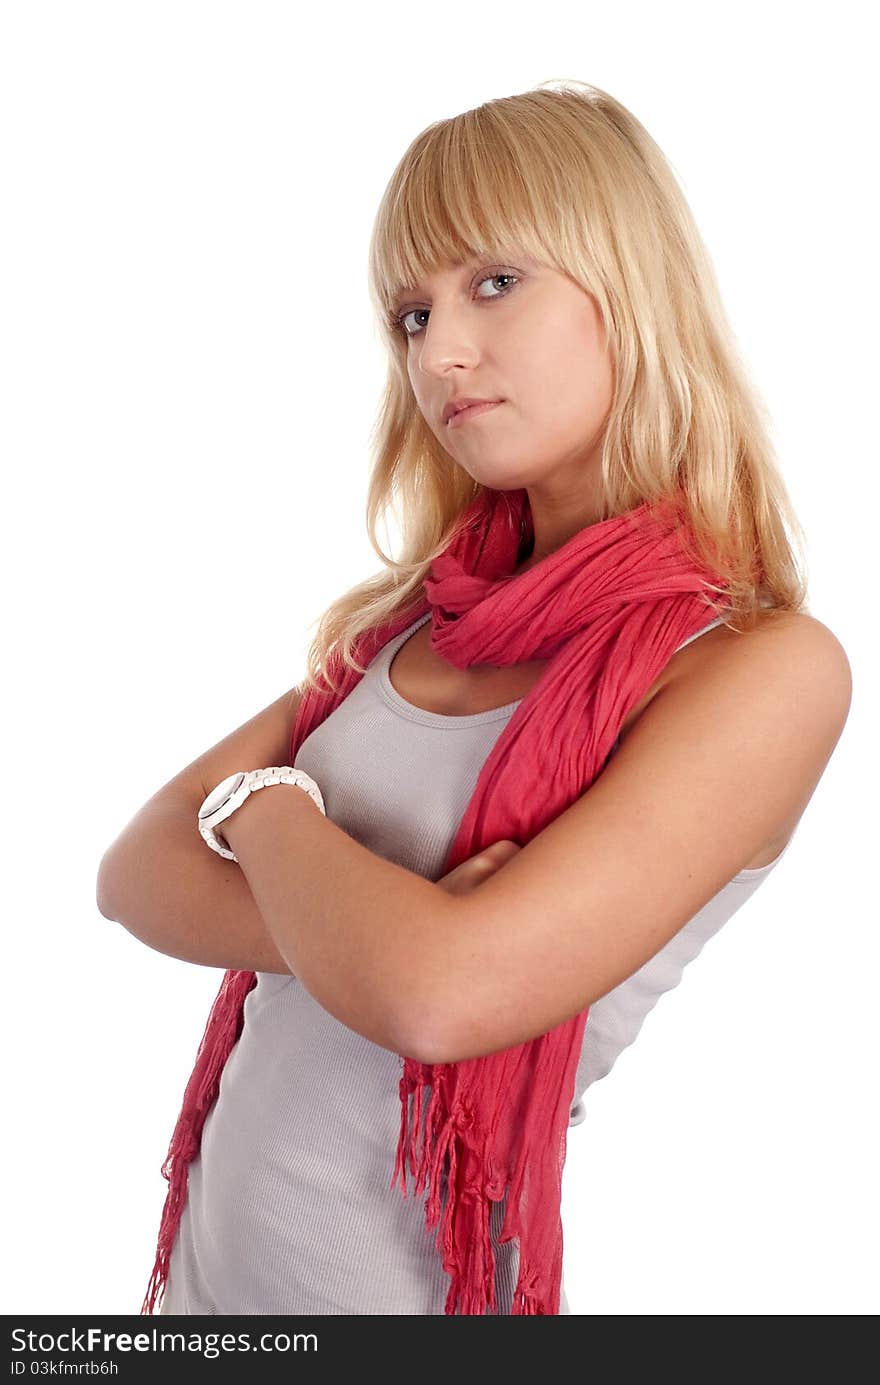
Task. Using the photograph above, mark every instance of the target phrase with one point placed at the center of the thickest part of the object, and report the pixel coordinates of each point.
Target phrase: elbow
(103, 896)
(436, 1032)
(443, 1014)
(440, 1009)
(420, 1037)
(443, 1044)
(473, 1020)
(392, 1025)
(421, 1046)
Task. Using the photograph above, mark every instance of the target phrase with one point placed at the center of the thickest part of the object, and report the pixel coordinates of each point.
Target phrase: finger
(493, 857)
(504, 847)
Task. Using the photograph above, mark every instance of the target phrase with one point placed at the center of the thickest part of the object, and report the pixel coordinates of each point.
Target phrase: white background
(190, 372)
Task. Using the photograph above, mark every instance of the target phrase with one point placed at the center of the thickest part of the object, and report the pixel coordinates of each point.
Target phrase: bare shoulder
(786, 682)
(808, 639)
(788, 648)
(720, 764)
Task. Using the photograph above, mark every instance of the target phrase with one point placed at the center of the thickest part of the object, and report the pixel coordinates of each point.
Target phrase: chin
(496, 478)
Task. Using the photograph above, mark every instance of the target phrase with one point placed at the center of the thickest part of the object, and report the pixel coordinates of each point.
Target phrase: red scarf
(607, 609)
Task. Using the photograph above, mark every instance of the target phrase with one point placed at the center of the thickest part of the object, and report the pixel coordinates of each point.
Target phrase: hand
(470, 873)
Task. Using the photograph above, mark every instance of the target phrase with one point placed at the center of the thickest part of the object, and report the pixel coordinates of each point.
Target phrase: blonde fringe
(571, 177)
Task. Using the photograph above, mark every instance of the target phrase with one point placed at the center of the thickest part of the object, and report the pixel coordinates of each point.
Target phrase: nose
(447, 340)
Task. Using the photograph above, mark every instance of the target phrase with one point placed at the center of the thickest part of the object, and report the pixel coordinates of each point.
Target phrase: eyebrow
(466, 267)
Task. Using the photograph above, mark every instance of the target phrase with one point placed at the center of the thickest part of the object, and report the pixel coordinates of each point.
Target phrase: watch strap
(252, 781)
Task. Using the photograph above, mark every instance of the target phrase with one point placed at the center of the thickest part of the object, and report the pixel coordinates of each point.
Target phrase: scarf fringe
(463, 1223)
(221, 1033)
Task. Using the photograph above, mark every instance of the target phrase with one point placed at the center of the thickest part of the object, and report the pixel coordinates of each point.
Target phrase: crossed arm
(721, 763)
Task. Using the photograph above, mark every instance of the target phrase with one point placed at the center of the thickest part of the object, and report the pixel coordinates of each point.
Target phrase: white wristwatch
(231, 792)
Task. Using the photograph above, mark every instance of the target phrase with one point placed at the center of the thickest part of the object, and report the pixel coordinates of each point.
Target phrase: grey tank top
(289, 1207)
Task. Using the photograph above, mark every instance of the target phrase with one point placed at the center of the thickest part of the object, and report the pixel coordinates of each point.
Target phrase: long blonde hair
(569, 176)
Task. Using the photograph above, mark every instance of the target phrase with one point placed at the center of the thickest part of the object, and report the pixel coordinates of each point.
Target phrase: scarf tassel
(463, 1226)
(222, 1030)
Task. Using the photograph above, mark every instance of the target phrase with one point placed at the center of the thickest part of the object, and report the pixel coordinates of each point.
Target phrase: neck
(557, 516)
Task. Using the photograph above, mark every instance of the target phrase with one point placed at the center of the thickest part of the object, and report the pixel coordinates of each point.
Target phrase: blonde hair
(571, 178)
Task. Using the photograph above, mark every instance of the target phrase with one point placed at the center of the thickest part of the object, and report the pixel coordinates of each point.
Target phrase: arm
(167, 888)
(352, 926)
(160, 881)
(723, 761)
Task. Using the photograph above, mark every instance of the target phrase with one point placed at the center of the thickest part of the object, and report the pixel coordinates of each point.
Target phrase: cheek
(568, 381)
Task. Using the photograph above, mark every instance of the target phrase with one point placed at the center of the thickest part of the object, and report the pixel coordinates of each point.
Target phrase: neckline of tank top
(382, 682)
(382, 665)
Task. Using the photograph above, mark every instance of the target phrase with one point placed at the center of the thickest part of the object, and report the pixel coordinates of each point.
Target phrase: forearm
(167, 888)
(352, 926)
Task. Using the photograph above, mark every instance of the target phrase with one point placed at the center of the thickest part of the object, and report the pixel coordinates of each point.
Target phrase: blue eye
(400, 322)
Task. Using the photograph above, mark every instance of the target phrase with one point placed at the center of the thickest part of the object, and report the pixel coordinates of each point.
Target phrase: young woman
(547, 751)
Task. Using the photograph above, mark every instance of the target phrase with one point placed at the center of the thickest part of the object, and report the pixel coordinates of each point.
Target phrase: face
(527, 335)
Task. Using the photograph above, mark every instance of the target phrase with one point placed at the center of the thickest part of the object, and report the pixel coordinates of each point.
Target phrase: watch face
(218, 796)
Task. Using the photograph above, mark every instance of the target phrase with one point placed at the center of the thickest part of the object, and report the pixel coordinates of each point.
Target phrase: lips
(464, 408)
